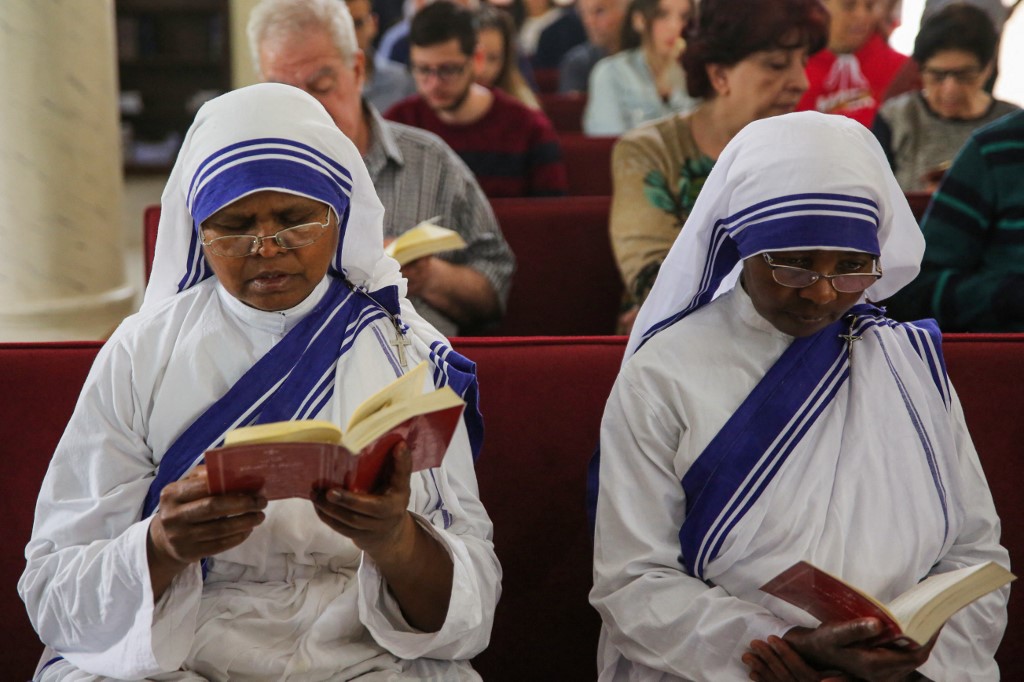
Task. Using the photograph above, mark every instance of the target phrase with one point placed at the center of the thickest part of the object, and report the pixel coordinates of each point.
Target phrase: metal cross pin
(400, 342)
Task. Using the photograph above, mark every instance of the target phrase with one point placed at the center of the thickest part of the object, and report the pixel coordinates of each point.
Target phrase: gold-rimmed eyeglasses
(242, 245)
(845, 283)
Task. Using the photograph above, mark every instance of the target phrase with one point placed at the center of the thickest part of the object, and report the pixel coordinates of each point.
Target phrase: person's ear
(638, 22)
(718, 76)
(359, 68)
(986, 72)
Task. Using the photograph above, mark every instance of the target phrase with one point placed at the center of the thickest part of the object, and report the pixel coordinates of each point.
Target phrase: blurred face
(666, 28)
(803, 312)
(365, 22)
(853, 22)
(273, 278)
(443, 74)
(312, 62)
(952, 80)
(490, 56)
(602, 20)
(765, 83)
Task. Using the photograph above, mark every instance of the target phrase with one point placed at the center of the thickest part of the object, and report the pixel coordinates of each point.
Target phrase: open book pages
(424, 240)
(910, 619)
(295, 458)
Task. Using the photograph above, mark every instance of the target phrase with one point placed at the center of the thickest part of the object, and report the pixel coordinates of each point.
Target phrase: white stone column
(62, 273)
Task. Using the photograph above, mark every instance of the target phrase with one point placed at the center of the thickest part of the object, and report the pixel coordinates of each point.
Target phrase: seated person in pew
(270, 299)
(512, 149)
(972, 276)
(767, 412)
(922, 131)
(311, 44)
(603, 21)
(745, 59)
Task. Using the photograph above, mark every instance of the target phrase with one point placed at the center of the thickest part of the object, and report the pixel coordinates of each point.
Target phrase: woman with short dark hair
(745, 59)
(922, 131)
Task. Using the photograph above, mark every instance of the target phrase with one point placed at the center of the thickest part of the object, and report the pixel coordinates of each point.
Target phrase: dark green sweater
(972, 277)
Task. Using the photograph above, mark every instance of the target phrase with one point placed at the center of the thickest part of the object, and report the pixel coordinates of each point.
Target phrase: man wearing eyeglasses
(512, 149)
(311, 44)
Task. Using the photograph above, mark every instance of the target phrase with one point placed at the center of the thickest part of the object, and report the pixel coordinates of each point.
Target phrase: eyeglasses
(241, 245)
(444, 73)
(964, 76)
(800, 278)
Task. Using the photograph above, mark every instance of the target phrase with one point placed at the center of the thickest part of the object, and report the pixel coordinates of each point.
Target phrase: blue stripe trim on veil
(740, 461)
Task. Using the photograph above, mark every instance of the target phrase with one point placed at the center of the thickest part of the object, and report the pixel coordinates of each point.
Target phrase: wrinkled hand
(840, 646)
(777, 661)
(191, 524)
(419, 273)
(378, 523)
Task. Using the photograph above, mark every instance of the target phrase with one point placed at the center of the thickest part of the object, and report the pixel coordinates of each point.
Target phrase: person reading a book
(271, 299)
(311, 44)
(767, 413)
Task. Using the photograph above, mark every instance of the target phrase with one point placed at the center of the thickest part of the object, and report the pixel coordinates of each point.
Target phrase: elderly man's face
(310, 61)
(803, 312)
(273, 278)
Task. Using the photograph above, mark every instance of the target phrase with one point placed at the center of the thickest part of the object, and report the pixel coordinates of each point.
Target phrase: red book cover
(281, 470)
(829, 599)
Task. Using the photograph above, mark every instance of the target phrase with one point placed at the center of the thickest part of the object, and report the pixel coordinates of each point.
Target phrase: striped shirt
(972, 277)
(418, 177)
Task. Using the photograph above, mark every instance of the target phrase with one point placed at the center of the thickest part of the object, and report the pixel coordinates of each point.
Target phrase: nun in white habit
(765, 414)
(133, 570)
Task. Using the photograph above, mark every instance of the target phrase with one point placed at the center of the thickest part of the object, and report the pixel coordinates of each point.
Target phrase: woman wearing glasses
(270, 299)
(768, 413)
(921, 132)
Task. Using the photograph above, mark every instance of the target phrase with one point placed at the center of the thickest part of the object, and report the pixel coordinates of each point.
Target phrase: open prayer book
(424, 240)
(909, 620)
(297, 458)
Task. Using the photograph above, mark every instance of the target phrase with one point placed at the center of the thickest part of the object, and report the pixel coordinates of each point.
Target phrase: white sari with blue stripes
(296, 600)
(743, 457)
(730, 450)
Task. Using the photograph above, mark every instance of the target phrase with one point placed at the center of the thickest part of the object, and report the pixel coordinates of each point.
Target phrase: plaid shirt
(418, 177)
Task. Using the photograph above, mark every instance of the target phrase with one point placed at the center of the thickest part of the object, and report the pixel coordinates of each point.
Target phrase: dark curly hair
(728, 31)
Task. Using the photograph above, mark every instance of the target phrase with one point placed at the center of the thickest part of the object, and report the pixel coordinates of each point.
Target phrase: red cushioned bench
(542, 400)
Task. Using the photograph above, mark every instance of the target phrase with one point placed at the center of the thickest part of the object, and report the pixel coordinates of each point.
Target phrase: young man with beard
(512, 150)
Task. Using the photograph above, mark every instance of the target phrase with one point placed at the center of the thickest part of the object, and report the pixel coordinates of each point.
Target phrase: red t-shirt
(852, 85)
(513, 150)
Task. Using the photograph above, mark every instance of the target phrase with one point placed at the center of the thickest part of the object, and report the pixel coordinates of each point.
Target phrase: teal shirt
(972, 275)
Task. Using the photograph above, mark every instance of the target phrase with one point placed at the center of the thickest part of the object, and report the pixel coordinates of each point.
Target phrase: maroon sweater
(513, 150)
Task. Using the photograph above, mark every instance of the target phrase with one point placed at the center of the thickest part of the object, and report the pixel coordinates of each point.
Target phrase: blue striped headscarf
(798, 181)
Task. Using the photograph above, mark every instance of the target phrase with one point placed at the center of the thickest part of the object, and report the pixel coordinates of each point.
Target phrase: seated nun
(271, 299)
(767, 413)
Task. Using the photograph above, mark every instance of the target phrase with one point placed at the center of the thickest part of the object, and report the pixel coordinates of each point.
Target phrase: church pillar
(62, 273)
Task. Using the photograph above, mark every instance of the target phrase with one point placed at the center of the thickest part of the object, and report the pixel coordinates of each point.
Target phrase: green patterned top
(657, 172)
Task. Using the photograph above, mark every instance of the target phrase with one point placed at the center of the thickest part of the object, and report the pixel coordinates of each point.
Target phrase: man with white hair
(311, 44)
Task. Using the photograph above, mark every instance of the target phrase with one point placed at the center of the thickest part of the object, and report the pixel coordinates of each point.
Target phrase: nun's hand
(776, 661)
(844, 647)
(378, 523)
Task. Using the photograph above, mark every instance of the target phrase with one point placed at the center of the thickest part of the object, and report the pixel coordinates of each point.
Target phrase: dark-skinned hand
(842, 647)
(191, 524)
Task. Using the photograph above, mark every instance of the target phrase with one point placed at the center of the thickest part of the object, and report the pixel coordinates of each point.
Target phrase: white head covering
(267, 137)
(798, 181)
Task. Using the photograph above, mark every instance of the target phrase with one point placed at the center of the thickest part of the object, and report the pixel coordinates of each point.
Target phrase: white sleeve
(446, 502)
(654, 613)
(86, 582)
(967, 643)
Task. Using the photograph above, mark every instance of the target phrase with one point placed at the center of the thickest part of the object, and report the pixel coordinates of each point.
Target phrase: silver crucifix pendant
(400, 342)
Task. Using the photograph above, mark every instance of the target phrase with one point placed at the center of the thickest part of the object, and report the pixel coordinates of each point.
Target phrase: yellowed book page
(303, 431)
(372, 426)
(923, 609)
(402, 389)
(423, 240)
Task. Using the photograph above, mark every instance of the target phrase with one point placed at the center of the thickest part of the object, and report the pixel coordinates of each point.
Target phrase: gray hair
(293, 17)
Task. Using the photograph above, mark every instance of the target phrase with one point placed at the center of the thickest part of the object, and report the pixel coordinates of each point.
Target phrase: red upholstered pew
(542, 400)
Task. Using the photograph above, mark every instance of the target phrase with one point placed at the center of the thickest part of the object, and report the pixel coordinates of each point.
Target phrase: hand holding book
(425, 239)
(296, 459)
